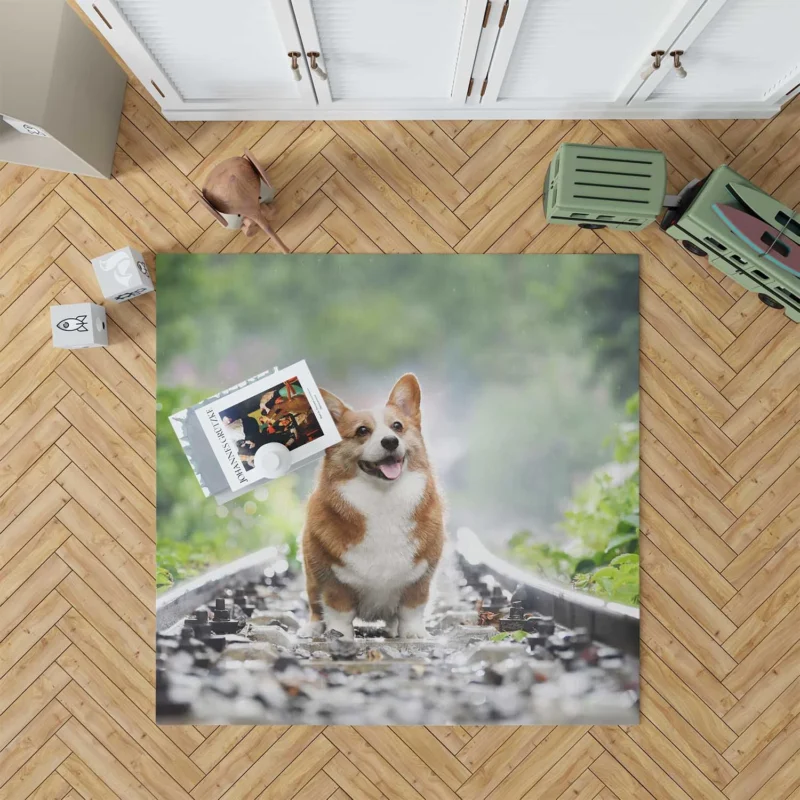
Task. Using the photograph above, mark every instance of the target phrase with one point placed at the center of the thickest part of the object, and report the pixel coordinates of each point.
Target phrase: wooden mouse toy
(233, 190)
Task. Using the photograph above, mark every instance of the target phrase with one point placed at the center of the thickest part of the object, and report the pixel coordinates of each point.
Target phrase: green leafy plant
(600, 555)
(516, 636)
(619, 581)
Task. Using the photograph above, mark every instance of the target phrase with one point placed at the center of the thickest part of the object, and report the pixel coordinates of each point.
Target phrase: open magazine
(222, 435)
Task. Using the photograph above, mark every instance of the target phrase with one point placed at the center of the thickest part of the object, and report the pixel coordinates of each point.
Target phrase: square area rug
(453, 533)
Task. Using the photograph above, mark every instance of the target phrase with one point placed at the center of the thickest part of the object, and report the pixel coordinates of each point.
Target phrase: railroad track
(228, 651)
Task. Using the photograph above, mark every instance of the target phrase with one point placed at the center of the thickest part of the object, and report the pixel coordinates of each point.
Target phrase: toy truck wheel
(769, 301)
(592, 226)
(693, 249)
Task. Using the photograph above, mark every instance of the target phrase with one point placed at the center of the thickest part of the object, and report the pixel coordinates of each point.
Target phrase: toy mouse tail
(268, 229)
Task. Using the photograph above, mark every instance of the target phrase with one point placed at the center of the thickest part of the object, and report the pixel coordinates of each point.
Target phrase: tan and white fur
(375, 529)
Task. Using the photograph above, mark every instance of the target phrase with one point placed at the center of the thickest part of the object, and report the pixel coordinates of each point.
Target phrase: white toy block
(78, 325)
(122, 274)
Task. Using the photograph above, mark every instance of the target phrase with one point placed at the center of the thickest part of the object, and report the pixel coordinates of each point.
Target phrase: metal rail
(242, 662)
(611, 624)
(179, 602)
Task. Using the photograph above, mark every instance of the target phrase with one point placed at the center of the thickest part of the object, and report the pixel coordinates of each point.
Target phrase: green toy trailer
(696, 225)
(598, 187)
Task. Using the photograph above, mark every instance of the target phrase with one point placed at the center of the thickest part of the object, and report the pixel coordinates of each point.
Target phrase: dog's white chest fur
(382, 564)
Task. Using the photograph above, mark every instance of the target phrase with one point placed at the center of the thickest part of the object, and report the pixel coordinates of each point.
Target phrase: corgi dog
(375, 526)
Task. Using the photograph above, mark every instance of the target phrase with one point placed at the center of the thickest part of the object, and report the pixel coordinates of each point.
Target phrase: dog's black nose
(390, 442)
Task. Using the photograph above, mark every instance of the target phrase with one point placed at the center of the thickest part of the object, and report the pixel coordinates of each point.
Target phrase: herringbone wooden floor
(720, 377)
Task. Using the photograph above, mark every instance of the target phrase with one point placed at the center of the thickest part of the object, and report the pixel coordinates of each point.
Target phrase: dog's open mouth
(388, 468)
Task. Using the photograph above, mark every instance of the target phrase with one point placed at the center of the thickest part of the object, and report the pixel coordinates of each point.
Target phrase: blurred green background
(529, 373)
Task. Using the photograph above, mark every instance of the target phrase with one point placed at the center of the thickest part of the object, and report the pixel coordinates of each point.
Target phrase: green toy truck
(598, 187)
(702, 232)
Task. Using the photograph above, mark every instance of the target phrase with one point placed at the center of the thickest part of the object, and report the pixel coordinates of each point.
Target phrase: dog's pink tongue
(391, 470)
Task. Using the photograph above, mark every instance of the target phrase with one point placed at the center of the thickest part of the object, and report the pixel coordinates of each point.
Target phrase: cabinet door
(571, 54)
(734, 51)
(208, 54)
(386, 54)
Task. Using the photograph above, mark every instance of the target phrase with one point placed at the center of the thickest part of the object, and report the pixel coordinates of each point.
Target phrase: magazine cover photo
(282, 414)
(454, 538)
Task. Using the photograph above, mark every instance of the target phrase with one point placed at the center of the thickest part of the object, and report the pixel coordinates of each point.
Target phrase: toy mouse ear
(257, 167)
(213, 211)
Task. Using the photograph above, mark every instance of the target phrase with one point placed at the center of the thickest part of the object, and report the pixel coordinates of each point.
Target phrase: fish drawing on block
(763, 238)
(77, 324)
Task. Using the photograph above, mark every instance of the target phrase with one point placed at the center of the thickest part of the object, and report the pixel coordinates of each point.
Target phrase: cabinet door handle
(651, 68)
(676, 60)
(315, 68)
(296, 74)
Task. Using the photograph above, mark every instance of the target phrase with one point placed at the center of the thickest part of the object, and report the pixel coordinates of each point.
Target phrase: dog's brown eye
(397, 426)
(362, 430)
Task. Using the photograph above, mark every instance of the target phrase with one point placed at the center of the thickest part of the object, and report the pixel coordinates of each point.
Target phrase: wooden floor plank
(139, 743)
(26, 198)
(685, 448)
(766, 617)
(38, 622)
(108, 586)
(83, 781)
(437, 143)
(236, 762)
(100, 761)
(684, 556)
(427, 169)
(778, 568)
(31, 266)
(30, 230)
(686, 594)
(380, 194)
(159, 131)
(692, 687)
(683, 736)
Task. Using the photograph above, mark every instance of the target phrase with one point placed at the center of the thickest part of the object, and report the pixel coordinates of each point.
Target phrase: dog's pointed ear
(336, 406)
(406, 395)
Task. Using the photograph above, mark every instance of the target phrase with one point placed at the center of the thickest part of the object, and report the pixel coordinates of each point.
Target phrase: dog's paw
(346, 630)
(413, 631)
(341, 621)
(311, 630)
(391, 628)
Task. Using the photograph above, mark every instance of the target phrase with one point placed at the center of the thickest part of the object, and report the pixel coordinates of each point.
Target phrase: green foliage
(619, 581)
(516, 636)
(601, 526)
(193, 531)
(516, 385)
(523, 361)
(601, 294)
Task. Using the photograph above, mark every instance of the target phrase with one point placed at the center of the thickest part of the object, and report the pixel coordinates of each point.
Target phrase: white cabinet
(204, 54)
(387, 54)
(568, 52)
(734, 51)
(372, 59)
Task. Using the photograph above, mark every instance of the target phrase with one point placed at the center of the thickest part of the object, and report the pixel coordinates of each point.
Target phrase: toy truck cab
(703, 232)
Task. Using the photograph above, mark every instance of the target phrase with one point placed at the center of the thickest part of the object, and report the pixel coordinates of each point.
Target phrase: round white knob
(273, 460)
